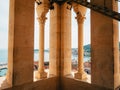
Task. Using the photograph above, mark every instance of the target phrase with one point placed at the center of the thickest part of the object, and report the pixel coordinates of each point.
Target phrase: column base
(81, 76)
(40, 75)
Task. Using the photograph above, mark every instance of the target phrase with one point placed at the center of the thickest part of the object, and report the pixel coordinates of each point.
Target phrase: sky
(4, 18)
(4, 12)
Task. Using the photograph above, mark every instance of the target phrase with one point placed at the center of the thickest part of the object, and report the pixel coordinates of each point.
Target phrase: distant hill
(119, 46)
(46, 50)
(87, 48)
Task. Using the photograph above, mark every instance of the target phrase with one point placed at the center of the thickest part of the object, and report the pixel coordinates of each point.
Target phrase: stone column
(80, 12)
(55, 41)
(60, 40)
(41, 11)
(41, 73)
(20, 43)
(80, 74)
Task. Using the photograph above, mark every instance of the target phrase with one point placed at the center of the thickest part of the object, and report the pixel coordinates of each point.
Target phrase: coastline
(87, 67)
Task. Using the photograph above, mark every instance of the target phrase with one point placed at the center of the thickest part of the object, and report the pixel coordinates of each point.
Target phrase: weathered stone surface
(65, 40)
(60, 40)
(21, 42)
(105, 49)
(104, 40)
(55, 43)
(45, 84)
(72, 84)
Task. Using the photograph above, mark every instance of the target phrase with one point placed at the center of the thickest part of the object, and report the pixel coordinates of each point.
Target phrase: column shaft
(41, 48)
(55, 41)
(80, 48)
(80, 74)
(41, 73)
(80, 12)
(60, 40)
(66, 53)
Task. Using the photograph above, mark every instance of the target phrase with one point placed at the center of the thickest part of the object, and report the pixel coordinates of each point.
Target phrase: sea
(4, 56)
(4, 59)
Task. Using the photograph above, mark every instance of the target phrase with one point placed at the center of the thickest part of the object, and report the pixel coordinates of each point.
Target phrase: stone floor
(47, 70)
(1, 80)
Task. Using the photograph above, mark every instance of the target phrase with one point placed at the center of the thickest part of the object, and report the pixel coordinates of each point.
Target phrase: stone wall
(46, 84)
(51, 84)
(74, 84)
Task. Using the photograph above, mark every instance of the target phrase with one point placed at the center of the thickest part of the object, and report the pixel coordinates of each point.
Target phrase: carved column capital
(42, 10)
(75, 7)
(80, 12)
(80, 19)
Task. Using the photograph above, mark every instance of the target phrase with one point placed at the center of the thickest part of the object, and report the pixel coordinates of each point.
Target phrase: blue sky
(4, 17)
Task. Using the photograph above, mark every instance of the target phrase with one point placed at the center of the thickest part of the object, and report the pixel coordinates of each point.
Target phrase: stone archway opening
(4, 20)
(86, 41)
(74, 42)
(37, 42)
